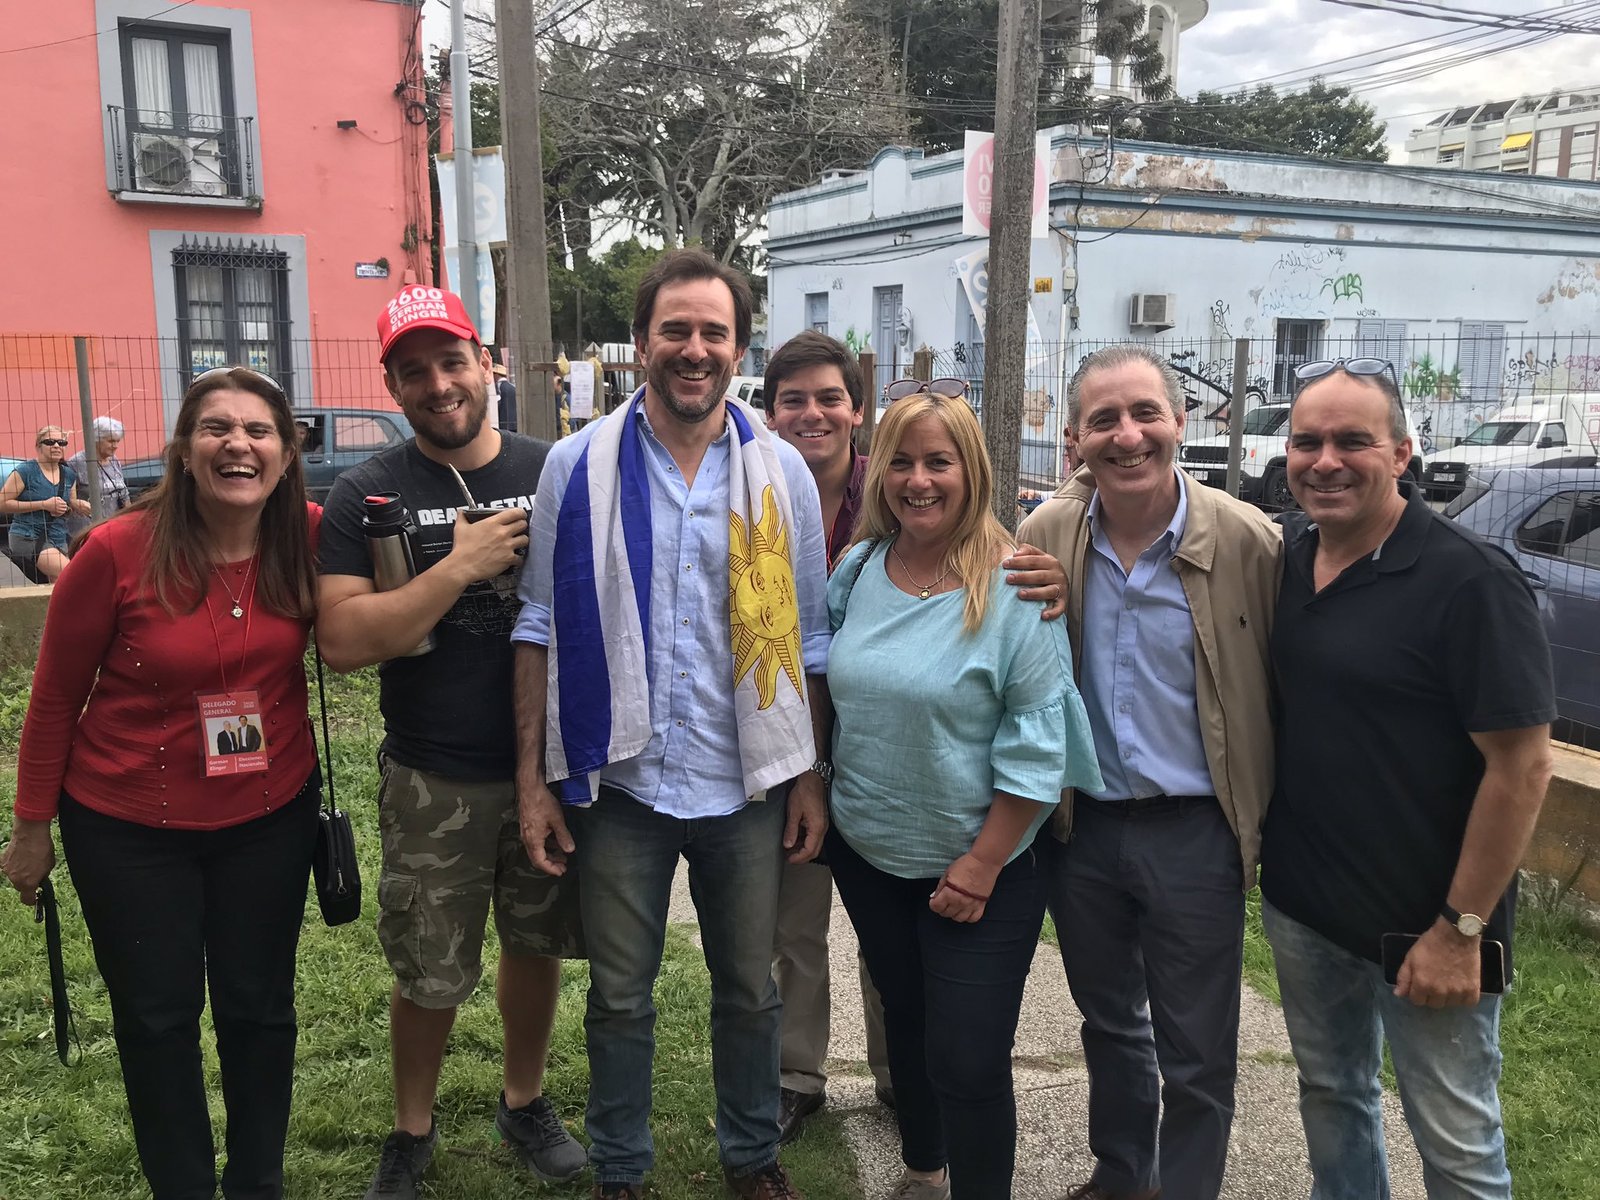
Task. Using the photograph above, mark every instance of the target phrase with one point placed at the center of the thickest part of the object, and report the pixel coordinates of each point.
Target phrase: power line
(82, 37)
(1467, 16)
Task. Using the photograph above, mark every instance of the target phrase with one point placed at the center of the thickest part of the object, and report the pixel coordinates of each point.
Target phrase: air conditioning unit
(1152, 310)
(167, 162)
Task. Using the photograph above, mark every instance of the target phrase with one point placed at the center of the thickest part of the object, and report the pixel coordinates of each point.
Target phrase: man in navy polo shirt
(1413, 757)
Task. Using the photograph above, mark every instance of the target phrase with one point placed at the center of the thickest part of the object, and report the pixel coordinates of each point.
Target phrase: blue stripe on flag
(633, 482)
(740, 423)
(583, 682)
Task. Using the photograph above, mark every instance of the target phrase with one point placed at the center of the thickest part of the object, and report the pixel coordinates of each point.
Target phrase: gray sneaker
(403, 1159)
(920, 1189)
(536, 1133)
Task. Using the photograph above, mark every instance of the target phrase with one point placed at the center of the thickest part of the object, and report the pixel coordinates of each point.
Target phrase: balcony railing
(182, 154)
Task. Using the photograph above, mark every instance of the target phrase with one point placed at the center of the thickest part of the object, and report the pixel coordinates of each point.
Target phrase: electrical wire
(81, 37)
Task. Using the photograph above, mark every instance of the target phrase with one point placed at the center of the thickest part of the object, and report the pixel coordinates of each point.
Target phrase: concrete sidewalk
(1266, 1160)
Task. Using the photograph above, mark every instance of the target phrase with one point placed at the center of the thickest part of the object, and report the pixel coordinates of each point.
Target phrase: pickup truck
(335, 439)
(1545, 431)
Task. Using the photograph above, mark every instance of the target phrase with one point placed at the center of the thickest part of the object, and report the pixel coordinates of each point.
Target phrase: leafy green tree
(946, 51)
(1325, 120)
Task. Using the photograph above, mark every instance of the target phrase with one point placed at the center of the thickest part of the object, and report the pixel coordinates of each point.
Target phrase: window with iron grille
(179, 126)
(232, 302)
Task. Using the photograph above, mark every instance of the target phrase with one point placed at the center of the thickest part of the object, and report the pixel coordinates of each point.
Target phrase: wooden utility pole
(1010, 247)
(527, 251)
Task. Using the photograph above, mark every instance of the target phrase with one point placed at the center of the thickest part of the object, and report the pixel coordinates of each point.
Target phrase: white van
(1539, 431)
(747, 388)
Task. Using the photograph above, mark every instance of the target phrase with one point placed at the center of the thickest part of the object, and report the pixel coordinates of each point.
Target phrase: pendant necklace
(926, 589)
(237, 610)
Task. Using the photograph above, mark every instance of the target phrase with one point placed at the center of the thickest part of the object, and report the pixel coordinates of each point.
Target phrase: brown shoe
(1093, 1191)
(615, 1191)
(770, 1182)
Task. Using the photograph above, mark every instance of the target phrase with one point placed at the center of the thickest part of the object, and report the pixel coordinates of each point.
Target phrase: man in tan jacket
(1172, 597)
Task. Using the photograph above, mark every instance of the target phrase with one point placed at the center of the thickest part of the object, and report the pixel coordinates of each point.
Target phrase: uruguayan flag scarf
(598, 710)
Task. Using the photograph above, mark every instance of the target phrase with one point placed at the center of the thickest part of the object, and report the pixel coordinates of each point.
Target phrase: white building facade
(1474, 287)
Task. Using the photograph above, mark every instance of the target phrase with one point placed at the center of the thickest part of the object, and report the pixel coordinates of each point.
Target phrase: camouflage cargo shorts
(450, 847)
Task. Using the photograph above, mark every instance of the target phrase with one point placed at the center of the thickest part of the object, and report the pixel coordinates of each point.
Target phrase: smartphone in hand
(1395, 947)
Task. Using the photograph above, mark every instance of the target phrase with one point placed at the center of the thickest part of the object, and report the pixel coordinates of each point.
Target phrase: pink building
(205, 183)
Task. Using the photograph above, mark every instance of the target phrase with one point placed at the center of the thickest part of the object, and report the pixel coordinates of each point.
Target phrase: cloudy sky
(1282, 42)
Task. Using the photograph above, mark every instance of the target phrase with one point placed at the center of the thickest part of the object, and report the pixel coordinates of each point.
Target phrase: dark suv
(333, 441)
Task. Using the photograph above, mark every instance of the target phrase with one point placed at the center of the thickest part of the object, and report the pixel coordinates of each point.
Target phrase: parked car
(747, 388)
(1263, 467)
(1548, 521)
(335, 440)
(1547, 431)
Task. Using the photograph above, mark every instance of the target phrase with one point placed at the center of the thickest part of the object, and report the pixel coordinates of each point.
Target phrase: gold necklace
(926, 589)
(237, 610)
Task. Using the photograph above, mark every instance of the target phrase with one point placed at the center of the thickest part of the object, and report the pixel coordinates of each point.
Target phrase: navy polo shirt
(1381, 678)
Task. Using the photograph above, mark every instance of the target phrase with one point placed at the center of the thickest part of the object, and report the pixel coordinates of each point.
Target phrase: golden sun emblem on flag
(763, 612)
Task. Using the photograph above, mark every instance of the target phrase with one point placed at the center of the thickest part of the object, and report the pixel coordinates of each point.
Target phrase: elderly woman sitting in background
(107, 471)
(958, 726)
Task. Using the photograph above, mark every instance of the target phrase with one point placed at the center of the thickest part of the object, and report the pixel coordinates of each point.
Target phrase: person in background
(946, 766)
(507, 393)
(113, 487)
(43, 494)
(193, 601)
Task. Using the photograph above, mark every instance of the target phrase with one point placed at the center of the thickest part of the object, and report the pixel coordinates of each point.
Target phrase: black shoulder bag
(334, 869)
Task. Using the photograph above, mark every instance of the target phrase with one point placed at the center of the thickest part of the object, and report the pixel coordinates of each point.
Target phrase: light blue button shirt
(1137, 675)
(690, 767)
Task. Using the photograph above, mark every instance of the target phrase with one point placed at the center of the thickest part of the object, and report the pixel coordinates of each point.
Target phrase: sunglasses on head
(259, 376)
(1306, 372)
(945, 385)
(62, 442)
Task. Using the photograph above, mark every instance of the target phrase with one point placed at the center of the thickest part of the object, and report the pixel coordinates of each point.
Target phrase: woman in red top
(180, 615)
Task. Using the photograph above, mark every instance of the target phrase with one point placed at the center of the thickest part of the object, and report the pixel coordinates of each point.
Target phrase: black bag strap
(327, 743)
(66, 1026)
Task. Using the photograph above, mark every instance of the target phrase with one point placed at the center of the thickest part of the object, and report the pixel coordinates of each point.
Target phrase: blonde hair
(979, 540)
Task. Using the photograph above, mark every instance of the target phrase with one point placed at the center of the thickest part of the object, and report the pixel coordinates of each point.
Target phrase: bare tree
(689, 115)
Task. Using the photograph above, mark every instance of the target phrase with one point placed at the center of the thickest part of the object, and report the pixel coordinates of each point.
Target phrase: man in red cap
(447, 806)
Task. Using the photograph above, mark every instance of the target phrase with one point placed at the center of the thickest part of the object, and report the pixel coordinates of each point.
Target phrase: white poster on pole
(486, 305)
(977, 184)
(488, 194)
(580, 391)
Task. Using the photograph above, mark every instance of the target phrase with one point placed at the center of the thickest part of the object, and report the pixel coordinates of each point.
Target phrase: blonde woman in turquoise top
(957, 727)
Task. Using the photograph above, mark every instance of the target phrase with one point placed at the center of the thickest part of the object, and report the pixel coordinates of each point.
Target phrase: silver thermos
(389, 531)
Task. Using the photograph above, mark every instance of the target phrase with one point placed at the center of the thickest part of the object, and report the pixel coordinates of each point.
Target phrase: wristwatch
(824, 768)
(1467, 924)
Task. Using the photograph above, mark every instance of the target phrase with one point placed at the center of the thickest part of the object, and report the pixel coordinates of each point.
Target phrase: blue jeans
(1339, 1010)
(627, 854)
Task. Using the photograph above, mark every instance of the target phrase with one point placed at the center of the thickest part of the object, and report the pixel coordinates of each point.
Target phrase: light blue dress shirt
(690, 767)
(1138, 668)
(932, 721)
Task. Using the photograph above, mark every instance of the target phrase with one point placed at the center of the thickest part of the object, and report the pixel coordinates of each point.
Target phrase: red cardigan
(136, 751)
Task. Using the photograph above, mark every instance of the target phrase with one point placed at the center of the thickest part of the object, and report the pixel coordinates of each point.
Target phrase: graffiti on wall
(1529, 372)
(1287, 290)
(1343, 286)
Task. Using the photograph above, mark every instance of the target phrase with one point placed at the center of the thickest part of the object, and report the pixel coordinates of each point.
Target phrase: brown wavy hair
(179, 556)
(979, 540)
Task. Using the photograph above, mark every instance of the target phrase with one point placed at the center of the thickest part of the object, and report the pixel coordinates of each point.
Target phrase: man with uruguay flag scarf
(670, 698)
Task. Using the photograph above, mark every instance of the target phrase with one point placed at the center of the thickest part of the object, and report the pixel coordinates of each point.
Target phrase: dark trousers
(951, 996)
(1149, 908)
(170, 910)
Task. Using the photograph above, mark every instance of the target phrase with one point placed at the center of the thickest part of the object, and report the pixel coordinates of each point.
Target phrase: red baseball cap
(420, 307)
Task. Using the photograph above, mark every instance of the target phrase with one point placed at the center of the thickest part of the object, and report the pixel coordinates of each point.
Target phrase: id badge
(231, 741)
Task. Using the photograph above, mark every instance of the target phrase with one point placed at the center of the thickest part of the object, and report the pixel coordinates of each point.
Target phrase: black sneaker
(536, 1133)
(405, 1156)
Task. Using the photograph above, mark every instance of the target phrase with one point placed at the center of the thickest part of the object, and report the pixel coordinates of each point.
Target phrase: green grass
(66, 1136)
(66, 1132)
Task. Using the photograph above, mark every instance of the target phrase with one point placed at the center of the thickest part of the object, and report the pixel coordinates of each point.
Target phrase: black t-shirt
(1380, 679)
(450, 711)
